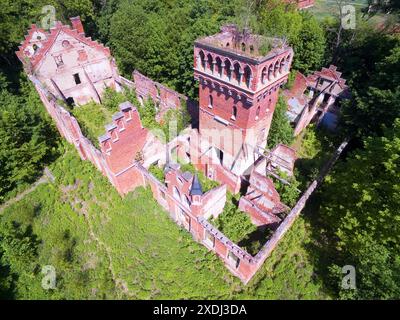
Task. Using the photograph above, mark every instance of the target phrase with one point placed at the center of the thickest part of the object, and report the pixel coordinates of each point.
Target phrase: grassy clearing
(92, 118)
(327, 9)
(103, 246)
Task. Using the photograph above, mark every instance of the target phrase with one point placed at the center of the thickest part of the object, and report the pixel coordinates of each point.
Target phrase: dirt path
(46, 177)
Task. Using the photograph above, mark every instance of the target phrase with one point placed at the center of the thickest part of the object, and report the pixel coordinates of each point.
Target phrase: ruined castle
(239, 77)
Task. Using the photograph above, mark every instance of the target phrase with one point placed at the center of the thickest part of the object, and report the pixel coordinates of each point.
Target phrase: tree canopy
(27, 138)
(360, 204)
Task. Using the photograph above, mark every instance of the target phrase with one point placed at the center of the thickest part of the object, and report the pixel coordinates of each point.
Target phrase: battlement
(243, 44)
(124, 137)
(38, 41)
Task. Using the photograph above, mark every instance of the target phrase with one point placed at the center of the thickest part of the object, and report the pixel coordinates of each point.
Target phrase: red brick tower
(239, 76)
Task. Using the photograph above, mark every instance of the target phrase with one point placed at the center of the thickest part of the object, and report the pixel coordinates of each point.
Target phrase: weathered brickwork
(316, 98)
(238, 91)
(72, 66)
(164, 98)
(127, 149)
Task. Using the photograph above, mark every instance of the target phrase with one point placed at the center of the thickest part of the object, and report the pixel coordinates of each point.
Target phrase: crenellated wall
(123, 139)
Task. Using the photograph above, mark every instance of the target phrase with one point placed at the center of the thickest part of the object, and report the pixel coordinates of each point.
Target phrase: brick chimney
(77, 24)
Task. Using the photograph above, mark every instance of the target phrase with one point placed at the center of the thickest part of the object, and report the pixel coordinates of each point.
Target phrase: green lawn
(105, 246)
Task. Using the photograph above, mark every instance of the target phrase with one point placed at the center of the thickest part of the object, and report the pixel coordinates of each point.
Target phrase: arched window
(202, 60)
(270, 71)
(258, 112)
(251, 49)
(282, 65)
(210, 63)
(236, 72)
(219, 66)
(227, 44)
(243, 47)
(287, 63)
(210, 101)
(228, 71)
(288, 58)
(234, 113)
(263, 75)
(276, 68)
(247, 76)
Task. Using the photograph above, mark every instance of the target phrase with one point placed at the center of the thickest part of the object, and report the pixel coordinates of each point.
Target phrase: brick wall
(125, 136)
(165, 98)
(116, 157)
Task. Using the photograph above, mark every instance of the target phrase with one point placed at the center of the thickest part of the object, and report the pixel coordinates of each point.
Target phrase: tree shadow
(253, 242)
(321, 250)
(322, 247)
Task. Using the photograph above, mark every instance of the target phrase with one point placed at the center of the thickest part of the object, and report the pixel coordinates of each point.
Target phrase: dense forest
(354, 219)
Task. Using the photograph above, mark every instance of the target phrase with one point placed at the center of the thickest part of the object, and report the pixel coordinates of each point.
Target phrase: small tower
(239, 75)
(196, 192)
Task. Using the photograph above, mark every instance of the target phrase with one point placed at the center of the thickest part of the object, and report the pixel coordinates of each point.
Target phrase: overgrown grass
(206, 183)
(232, 222)
(237, 226)
(314, 147)
(173, 122)
(92, 117)
(105, 246)
(158, 172)
(289, 193)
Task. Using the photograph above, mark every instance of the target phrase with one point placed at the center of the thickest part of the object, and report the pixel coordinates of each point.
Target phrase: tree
(386, 6)
(375, 86)
(280, 131)
(27, 138)
(18, 255)
(15, 17)
(309, 46)
(360, 209)
(235, 224)
(160, 38)
(303, 32)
